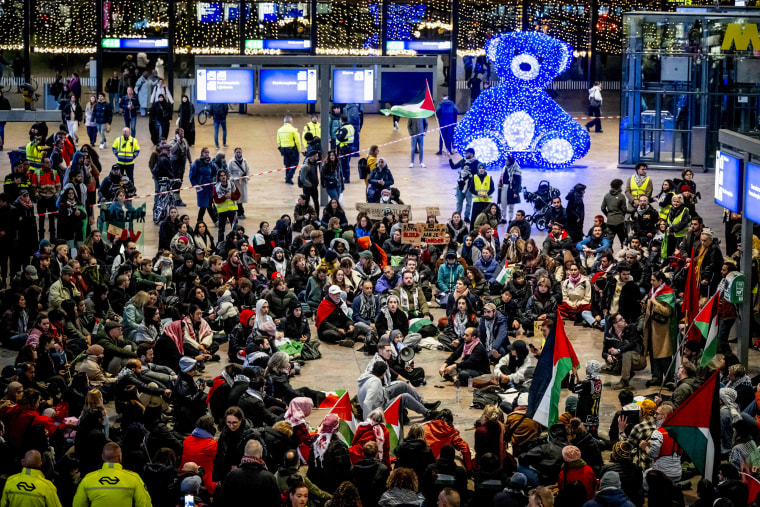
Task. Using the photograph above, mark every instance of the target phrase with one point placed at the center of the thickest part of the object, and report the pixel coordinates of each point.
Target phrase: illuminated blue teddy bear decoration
(517, 116)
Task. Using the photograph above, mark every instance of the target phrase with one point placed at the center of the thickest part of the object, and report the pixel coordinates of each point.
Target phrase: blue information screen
(288, 86)
(752, 193)
(353, 86)
(420, 46)
(128, 43)
(401, 87)
(218, 86)
(209, 12)
(728, 181)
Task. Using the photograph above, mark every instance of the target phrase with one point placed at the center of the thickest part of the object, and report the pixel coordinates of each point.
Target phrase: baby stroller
(541, 200)
(164, 201)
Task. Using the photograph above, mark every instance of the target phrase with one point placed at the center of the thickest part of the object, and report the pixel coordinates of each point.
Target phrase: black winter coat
(631, 478)
(477, 360)
(369, 476)
(251, 480)
(333, 469)
(414, 454)
(230, 448)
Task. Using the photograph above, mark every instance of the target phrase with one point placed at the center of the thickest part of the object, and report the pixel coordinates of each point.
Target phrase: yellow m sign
(741, 36)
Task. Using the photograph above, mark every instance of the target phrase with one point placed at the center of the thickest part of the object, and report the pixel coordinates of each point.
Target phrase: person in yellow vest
(639, 184)
(481, 187)
(345, 138)
(289, 144)
(35, 150)
(678, 225)
(226, 195)
(313, 128)
(112, 486)
(664, 198)
(126, 150)
(29, 488)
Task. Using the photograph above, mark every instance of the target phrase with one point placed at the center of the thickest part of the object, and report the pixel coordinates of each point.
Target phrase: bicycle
(165, 199)
(204, 114)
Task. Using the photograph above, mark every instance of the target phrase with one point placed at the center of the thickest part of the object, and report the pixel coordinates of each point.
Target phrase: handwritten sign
(434, 234)
(376, 211)
(411, 234)
(115, 231)
(433, 211)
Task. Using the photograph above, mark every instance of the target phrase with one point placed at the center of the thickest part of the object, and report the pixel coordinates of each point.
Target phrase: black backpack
(363, 168)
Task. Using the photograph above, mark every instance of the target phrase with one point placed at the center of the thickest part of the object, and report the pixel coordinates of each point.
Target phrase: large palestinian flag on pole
(347, 426)
(690, 303)
(706, 322)
(695, 426)
(556, 361)
(421, 106)
(331, 398)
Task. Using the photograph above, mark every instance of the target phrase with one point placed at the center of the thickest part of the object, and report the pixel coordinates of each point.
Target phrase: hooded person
(298, 410)
(329, 462)
(378, 254)
(610, 493)
(589, 393)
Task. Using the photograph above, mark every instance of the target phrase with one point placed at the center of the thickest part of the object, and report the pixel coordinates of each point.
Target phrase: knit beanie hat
(610, 479)
(571, 453)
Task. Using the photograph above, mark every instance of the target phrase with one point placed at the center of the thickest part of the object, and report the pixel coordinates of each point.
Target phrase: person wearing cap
(191, 485)
(514, 495)
(92, 367)
(308, 176)
(112, 485)
(117, 350)
(366, 268)
(63, 289)
(17, 180)
(575, 469)
(29, 488)
(25, 279)
(610, 493)
(332, 321)
(189, 399)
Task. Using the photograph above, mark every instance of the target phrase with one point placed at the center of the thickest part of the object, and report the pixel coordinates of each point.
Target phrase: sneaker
(346, 343)
(422, 165)
(102, 146)
(181, 204)
(411, 165)
(395, 125)
(226, 145)
(432, 406)
(439, 153)
(217, 147)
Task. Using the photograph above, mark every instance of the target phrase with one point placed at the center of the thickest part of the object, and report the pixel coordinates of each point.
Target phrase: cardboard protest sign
(411, 234)
(433, 211)
(376, 211)
(434, 234)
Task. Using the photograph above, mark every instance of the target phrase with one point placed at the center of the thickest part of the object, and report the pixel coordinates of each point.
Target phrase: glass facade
(207, 28)
(135, 18)
(267, 21)
(348, 27)
(683, 70)
(479, 19)
(69, 25)
(11, 26)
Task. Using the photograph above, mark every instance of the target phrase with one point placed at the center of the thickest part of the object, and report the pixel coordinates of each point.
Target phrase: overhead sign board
(728, 181)
(752, 192)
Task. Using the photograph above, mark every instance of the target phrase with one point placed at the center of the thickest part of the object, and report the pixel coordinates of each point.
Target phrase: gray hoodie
(371, 394)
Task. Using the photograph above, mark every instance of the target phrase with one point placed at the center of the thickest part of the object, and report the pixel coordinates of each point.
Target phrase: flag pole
(437, 121)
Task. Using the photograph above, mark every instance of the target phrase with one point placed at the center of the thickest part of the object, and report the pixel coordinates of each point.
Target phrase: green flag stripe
(711, 345)
(693, 442)
(564, 366)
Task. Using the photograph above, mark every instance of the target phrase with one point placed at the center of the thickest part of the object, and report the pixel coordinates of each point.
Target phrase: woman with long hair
(151, 327)
(95, 243)
(299, 273)
(41, 326)
(133, 314)
(403, 490)
(187, 119)
(379, 233)
(332, 176)
(16, 322)
(463, 317)
(363, 226)
(333, 209)
(203, 238)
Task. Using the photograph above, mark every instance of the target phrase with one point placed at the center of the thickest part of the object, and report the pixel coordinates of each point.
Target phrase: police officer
(345, 138)
(126, 150)
(112, 486)
(289, 144)
(30, 488)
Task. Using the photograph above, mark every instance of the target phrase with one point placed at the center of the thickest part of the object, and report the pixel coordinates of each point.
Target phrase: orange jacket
(438, 434)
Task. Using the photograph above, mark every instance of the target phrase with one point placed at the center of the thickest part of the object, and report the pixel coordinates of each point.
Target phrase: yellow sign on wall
(741, 36)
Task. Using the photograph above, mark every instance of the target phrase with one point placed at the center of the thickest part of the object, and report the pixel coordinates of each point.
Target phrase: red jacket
(363, 435)
(228, 271)
(578, 471)
(202, 452)
(438, 434)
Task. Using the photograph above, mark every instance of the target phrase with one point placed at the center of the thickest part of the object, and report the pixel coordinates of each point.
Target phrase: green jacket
(29, 489)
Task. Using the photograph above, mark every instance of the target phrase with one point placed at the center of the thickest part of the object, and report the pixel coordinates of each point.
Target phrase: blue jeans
(418, 142)
(2, 133)
(113, 98)
(461, 197)
(102, 132)
(290, 159)
(131, 123)
(333, 193)
(588, 317)
(223, 124)
(92, 133)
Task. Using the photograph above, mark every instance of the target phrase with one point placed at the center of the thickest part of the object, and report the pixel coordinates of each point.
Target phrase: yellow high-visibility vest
(349, 135)
(126, 150)
(637, 190)
(665, 208)
(287, 137)
(676, 221)
(314, 128)
(481, 185)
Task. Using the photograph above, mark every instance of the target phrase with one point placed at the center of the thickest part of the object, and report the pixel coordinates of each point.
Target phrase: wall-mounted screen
(353, 86)
(402, 86)
(728, 181)
(288, 86)
(232, 86)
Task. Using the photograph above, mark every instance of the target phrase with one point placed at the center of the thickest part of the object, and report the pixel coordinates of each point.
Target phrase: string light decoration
(196, 36)
(347, 27)
(566, 20)
(268, 21)
(517, 117)
(480, 19)
(11, 26)
(64, 27)
(135, 19)
(609, 28)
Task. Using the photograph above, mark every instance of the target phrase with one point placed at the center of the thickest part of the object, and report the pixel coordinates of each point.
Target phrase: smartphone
(189, 499)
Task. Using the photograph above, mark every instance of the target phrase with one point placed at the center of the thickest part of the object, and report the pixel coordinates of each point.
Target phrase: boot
(623, 384)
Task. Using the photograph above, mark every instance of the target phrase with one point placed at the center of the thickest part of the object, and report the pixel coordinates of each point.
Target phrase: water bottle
(469, 385)
(459, 392)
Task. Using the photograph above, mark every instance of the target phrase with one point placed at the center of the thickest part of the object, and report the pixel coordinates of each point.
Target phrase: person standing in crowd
(112, 88)
(468, 167)
(308, 176)
(186, 115)
(202, 173)
(103, 116)
(179, 157)
(219, 111)
(614, 208)
(46, 185)
(595, 107)
(143, 90)
(314, 128)
(72, 115)
(29, 487)
(481, 187)
(126, 148)
(239, 174)
(289, 144)
(417, 127)
(510, 187)
(639, 184)
(447, 114)
(89, 120)
(225, 195)
(129, 105)
(345, 139)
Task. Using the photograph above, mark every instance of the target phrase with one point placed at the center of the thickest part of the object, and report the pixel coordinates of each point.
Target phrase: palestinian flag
(393, 423)
(331, 398)
(505, 274)
(556, 361)
(695, 426)
(752, 484)
(665, 295)
(706, 323)
(420, 106)
(347, 422)
(416, 324)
